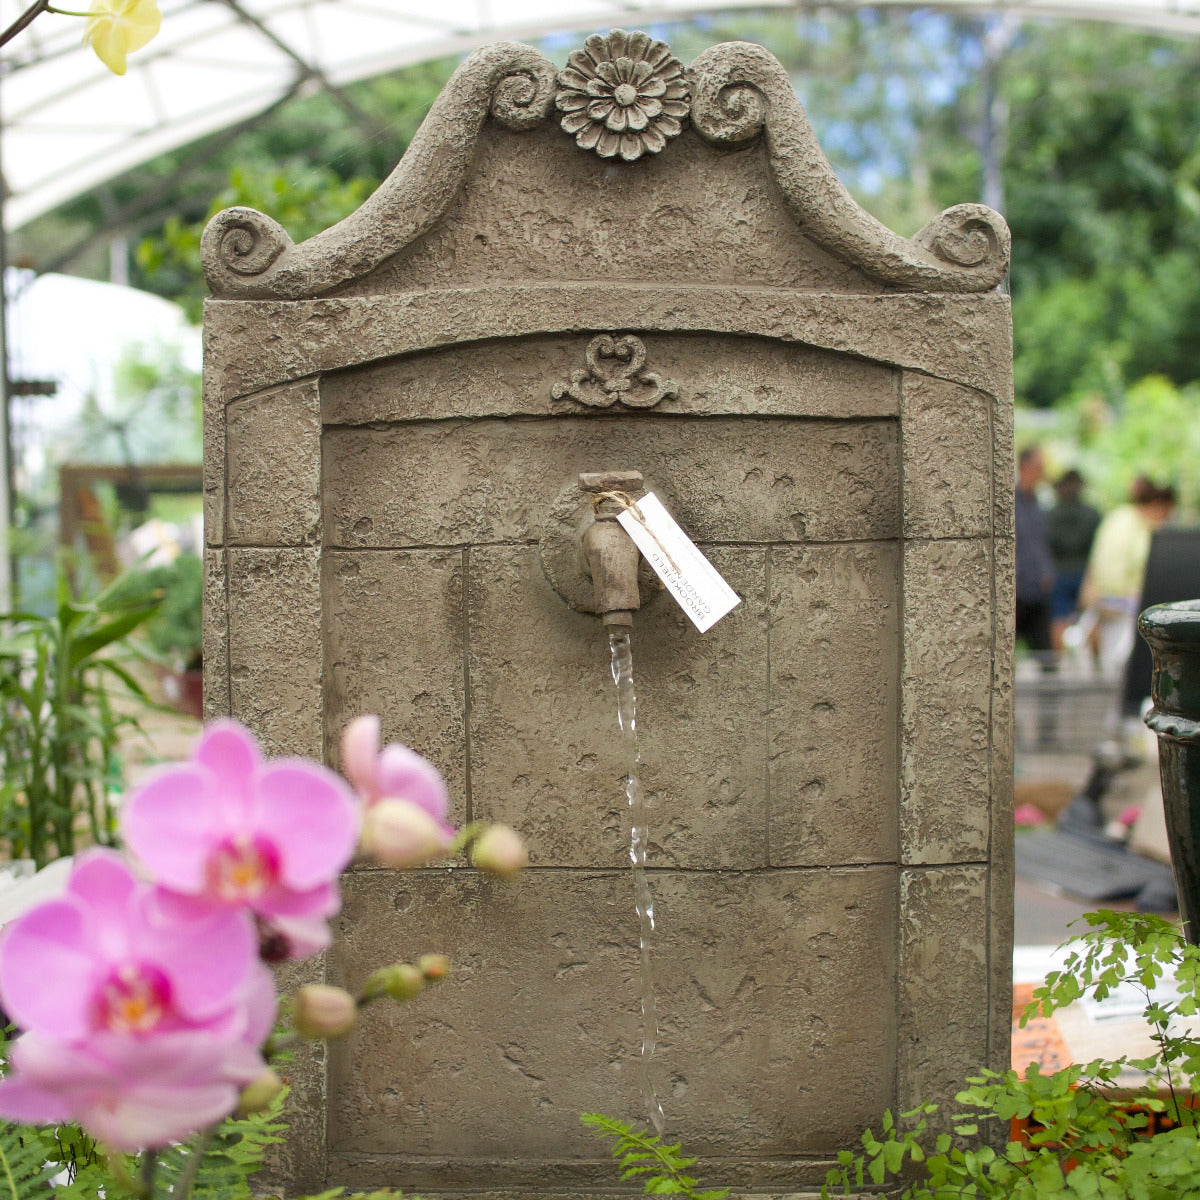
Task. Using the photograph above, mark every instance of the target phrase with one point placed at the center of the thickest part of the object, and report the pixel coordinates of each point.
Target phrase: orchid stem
(24, 21)
(148, 1172)
(465, 836)
(276, 1043)
(187, 1177)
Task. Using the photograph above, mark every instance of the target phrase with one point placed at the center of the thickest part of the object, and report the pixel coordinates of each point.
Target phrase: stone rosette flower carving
(623, 95)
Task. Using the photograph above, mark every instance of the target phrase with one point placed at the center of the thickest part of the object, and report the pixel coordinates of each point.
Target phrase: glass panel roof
(68, 124)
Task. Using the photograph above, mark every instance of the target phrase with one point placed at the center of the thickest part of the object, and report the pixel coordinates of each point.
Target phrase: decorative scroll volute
(741, 92)
(623, 96)
(250, 256)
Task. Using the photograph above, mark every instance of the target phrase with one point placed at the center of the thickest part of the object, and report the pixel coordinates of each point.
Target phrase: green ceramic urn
(1173, 631)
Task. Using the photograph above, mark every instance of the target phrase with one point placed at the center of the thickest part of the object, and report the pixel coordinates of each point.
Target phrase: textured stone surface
(605, 1192)
(273, 443)
(714, 377)
(965, 338)
(410, 670)
(275, 647)
(297, 1164)
(769, 983)
(945, 714)
(829, 767)
(452, 482)
(213, 406)
(1005, 467)
(944, 982)
(1001, 855)
(834, 654)
(215, 628)
(947, 459)
(545, 751)
(540, 222)
(964, 249)
(810, 1167)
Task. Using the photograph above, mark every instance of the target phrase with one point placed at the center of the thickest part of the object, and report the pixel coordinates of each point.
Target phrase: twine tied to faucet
(628, 504)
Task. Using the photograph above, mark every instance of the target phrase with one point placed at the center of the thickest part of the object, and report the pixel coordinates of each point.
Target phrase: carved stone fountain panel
(629, 265)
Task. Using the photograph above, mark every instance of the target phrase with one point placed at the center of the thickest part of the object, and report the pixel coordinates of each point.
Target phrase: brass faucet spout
(611, 559)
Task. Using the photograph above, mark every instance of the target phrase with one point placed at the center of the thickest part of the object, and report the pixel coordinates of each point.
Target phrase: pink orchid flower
(405, 797)
(139, 1026)
(395, 772)
(284, 938)
(105, 958)
(229, 829)
(129, 1093)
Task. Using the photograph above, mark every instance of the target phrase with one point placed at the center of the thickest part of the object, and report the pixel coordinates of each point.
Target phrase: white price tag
(694, 582)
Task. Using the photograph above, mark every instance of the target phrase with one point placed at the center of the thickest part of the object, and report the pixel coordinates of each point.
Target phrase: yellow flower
(116, 27)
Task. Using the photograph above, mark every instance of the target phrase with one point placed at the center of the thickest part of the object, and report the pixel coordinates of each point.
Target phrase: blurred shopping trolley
(1071, 705)
(1079, 700)
(1064, 705)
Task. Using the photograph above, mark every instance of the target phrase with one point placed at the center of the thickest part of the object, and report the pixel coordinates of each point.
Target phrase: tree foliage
(307, 163)
(1154, 428)
(1099, 150)
(1102, 179)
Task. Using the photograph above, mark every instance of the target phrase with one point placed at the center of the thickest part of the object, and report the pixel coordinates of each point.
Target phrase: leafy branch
(643, 1154)
(1083, 1137)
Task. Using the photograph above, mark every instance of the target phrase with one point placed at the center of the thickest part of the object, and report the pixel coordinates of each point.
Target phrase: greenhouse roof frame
(69, 125)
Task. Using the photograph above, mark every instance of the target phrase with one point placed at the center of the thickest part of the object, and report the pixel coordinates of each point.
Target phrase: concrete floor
(1042, 915)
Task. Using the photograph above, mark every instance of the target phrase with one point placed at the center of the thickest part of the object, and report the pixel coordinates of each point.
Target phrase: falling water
(621, 650)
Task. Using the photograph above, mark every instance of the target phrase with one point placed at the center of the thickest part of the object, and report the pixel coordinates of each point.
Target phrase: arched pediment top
(625, 98)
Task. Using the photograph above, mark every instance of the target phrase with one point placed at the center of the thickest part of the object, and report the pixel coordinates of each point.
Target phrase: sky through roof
(68, 124)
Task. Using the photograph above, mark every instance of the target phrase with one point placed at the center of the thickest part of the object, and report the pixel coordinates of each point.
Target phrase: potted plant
(59, 730)
(174, 632)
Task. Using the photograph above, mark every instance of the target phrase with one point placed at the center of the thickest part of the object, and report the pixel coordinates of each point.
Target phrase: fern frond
(383, 1194)
(229, 1156)
(23, 1171)
(643, 1154)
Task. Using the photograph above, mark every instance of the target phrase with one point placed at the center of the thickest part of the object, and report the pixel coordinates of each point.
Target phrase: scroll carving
(249, 256)
(741, 91)
(622, 96)
(614, 375)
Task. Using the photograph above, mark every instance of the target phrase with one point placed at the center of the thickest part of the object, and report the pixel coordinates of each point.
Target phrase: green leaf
(82, 648)
(23, 1170)
(229, 1157)
(642, 1154)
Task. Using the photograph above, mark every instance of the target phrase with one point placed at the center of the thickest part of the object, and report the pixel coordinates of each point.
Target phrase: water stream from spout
(621, 651)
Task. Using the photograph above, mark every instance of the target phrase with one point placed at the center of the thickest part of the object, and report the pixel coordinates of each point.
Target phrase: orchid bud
(403, 981)
(433, 966)
(257, 1096)
(398, 833)
(400, 981)
(324, 1012)
(500, 850)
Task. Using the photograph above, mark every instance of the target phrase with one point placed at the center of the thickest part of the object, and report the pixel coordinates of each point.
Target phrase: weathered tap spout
(609, 555)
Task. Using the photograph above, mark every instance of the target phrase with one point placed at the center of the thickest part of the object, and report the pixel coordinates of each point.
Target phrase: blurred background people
(1035, 566)
(1070, 529)
(1112, 582)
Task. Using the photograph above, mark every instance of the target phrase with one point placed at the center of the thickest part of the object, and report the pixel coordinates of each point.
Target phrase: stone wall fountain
(631, 266)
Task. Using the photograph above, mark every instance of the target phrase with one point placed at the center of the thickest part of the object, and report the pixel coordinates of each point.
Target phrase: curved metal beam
(194, 79)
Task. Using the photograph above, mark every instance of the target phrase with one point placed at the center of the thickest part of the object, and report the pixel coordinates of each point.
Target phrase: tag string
(629, 504)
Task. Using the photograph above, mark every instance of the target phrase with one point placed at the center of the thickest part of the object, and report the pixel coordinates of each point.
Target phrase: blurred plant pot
(1173, 631)
(183, 690)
